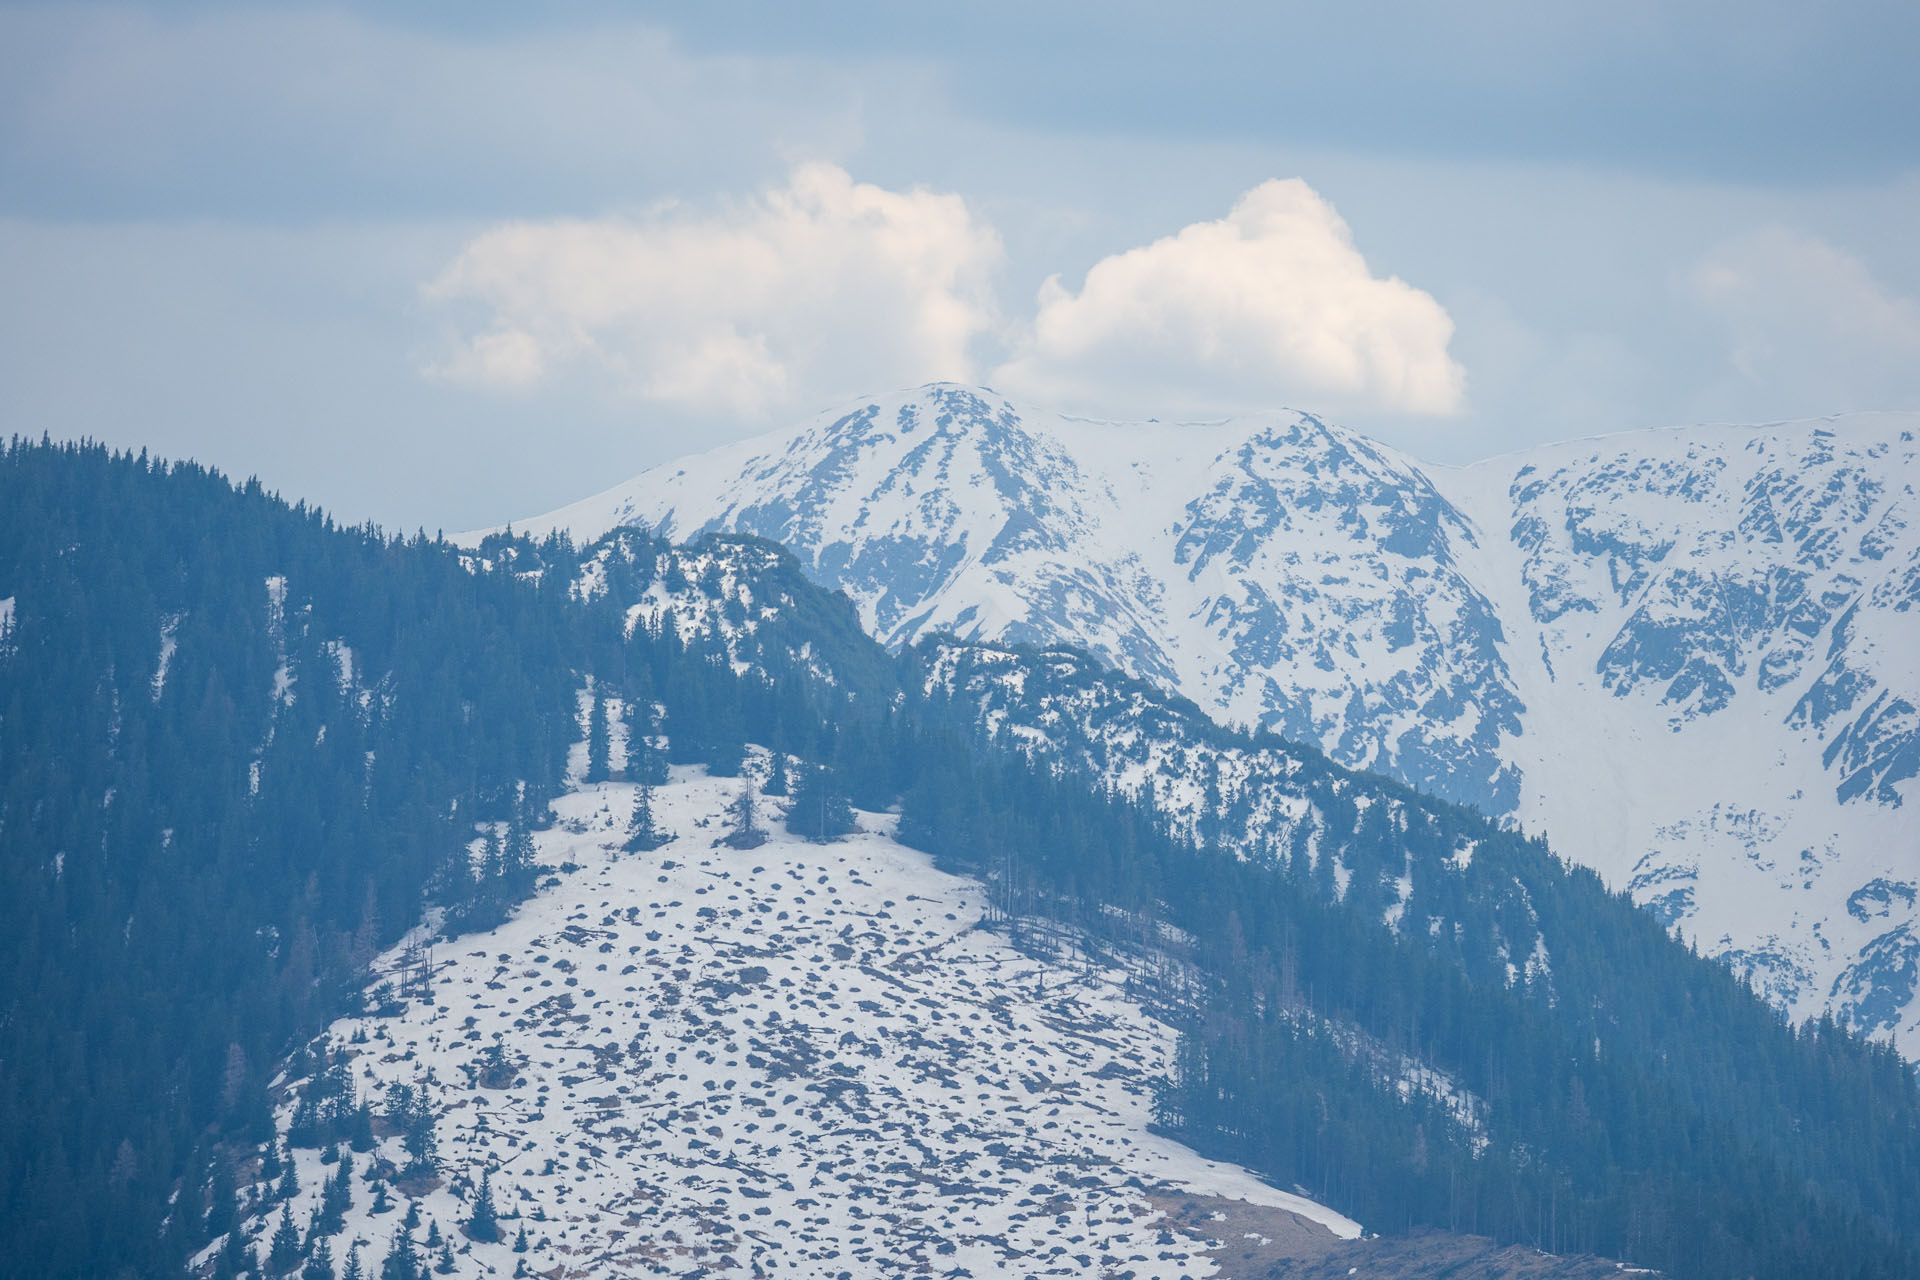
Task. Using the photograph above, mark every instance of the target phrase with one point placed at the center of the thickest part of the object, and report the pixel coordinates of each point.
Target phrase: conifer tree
(520, 1239)
(643, 834)
(238, 1257)
(484, 1225)
(819, 811)
(284, 1254)
(320, 1265)
(403, 1258)
(519, 854)
(776, 776)
(598, 747)
(222, 1206)
(744, 819)
(352, 1270)
(646, 762)
(493, 862)
(333, 1207)
(445, 1265)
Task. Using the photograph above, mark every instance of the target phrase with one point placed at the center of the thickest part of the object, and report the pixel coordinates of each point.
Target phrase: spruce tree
(646, 762)
(320, 1265)
(222, 1206)
(237, 1256)
(353, 1271)
(484, 1225)
(284, 1254)
(819, 811)
(519, 854)
(743, 816)
(776, 776)
(598, 747)
(445, 1265)
(403, 1258)
(493, 862)
(642, 833)
(520, 1239)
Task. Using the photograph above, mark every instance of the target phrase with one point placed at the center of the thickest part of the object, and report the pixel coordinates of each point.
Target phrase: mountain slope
(797, 1059)
(245, 751)
(1689, 657)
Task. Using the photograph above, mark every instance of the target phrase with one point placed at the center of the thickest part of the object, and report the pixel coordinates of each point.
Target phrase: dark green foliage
(643, 833)
(743, 821)
(484, 1225)
(284, 1254)
(1700, 1134)
(222, 1206)
(646, 762)
(423, 1147)
(336, 1197)
(238, 1256)
(520, 1240)
(819, 810)
(360, 1130)
(320, 1265)
(598, 746)
(403, 1258)
(192, 873)
(776, 776)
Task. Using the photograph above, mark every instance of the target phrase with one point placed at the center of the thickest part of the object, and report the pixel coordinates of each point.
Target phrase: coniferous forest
(243, 749)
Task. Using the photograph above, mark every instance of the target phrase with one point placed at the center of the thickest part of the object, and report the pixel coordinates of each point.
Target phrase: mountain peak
(1559, 636)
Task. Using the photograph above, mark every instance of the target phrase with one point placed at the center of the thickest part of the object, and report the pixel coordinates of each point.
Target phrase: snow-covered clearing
(797, 1060)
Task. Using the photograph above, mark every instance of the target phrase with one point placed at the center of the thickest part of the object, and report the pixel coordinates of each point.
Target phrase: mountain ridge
(1459, 628)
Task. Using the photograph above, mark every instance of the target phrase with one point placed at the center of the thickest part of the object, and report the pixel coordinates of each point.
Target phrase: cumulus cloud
(1271, 304)
(819, 289)
(1808, 328)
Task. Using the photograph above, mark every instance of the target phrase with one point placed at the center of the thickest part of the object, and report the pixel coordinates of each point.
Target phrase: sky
(443, 265)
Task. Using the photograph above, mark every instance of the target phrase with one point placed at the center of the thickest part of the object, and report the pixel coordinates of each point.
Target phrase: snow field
(796, 1060)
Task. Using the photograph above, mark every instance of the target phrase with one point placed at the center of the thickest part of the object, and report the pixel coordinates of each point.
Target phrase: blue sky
(446, 264)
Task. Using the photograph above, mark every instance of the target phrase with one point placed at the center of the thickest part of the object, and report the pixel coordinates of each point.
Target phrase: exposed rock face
(1690, 657)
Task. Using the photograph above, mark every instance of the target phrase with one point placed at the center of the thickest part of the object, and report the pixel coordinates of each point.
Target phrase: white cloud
(1808, 328)
(814, 291)
(1271, 304)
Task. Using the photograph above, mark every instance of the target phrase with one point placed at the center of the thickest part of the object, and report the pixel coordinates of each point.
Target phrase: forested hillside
(1422, 1016)
(242, 750)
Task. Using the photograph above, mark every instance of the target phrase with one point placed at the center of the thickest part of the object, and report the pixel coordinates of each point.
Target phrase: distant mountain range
(1689, 657)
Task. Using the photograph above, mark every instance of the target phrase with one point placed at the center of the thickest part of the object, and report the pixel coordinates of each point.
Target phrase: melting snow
(801, 1060)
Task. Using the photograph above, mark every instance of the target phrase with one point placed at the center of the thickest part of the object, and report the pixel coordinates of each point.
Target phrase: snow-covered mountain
(1690, 657)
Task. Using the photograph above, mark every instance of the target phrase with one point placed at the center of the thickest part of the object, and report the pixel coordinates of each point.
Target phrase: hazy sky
(455, 263)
